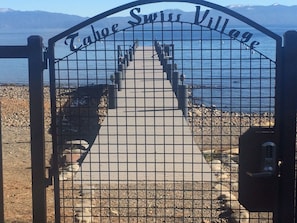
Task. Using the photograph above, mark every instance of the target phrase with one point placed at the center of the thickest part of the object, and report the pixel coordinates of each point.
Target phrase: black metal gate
(147, 113)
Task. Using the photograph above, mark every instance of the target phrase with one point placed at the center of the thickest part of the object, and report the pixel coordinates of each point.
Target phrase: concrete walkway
(146, 138)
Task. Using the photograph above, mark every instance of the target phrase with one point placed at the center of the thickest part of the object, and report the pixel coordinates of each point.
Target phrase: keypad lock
(258, 169)
(269, 161)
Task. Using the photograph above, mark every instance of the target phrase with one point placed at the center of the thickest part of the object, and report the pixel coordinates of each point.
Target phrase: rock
(84, 205)
(231, 164)
(72, 168)
(226, 159)
(83, 213)
(235, 158)
(227, 196)
(84, 144)
(198, 112)
(233, 151)
(71, 157)
(241, 216)
(69, 172)
(83, 218)
(223, 176)
(234, 186)
(216, 165)
(220, 187)
(87, 191)
(64, 175)
(114, 212)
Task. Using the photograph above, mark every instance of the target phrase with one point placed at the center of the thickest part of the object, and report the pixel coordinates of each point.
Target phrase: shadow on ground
(79, 118)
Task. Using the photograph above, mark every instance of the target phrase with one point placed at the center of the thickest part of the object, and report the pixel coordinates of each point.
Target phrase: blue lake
(215, 83)
(15, 71)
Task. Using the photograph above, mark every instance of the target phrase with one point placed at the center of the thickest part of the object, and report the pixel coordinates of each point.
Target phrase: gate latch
(258, 169)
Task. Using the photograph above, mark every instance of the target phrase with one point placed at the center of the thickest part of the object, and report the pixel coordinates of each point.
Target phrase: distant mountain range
(274, 15)
(12, 19)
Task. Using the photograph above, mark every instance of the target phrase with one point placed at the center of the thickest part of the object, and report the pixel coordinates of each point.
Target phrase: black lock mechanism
(258, 169)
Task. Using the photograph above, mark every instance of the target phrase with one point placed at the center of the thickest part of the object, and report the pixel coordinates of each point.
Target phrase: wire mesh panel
(147, 114)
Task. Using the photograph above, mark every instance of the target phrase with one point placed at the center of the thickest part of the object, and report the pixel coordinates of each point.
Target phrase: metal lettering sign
(201, 18)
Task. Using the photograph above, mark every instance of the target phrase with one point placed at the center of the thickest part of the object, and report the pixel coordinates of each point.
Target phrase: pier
(146, 136)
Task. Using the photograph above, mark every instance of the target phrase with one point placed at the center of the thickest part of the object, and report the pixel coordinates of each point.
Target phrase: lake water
(15, 71)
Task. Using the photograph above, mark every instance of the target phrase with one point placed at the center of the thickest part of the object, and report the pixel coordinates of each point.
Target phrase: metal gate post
(288, 81)
(35, 57)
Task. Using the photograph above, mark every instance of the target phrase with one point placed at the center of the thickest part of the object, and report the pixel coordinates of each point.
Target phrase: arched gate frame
(157, 117)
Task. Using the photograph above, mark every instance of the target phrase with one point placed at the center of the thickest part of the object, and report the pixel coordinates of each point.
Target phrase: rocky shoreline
(15, 105)
(220, 150)
(15, 111)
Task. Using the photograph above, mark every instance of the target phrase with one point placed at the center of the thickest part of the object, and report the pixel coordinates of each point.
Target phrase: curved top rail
(145, 2)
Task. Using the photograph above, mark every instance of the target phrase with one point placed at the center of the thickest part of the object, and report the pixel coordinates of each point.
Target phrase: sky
(89, 8)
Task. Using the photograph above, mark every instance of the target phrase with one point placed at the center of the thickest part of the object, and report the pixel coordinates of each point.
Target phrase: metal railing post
(35, 48)
(112, 93)
(122, 68)
(175, 82)
(183, 96)
(131, 54)
(126, 58)
(169, 69)
(118, 79)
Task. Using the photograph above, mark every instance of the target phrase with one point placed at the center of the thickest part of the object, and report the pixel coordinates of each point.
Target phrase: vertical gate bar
(55, 155)
(35, 46)
(1, 174)
(288, 129)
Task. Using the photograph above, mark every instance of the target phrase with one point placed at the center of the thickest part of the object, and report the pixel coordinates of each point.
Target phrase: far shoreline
(19, 85)
(192, 104)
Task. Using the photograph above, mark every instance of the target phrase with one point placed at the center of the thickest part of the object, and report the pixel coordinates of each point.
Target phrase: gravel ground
(143, 202)
(17, 156)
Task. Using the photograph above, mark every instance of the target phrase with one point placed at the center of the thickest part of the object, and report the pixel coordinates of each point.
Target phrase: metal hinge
(49, 179)
(45, 59)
